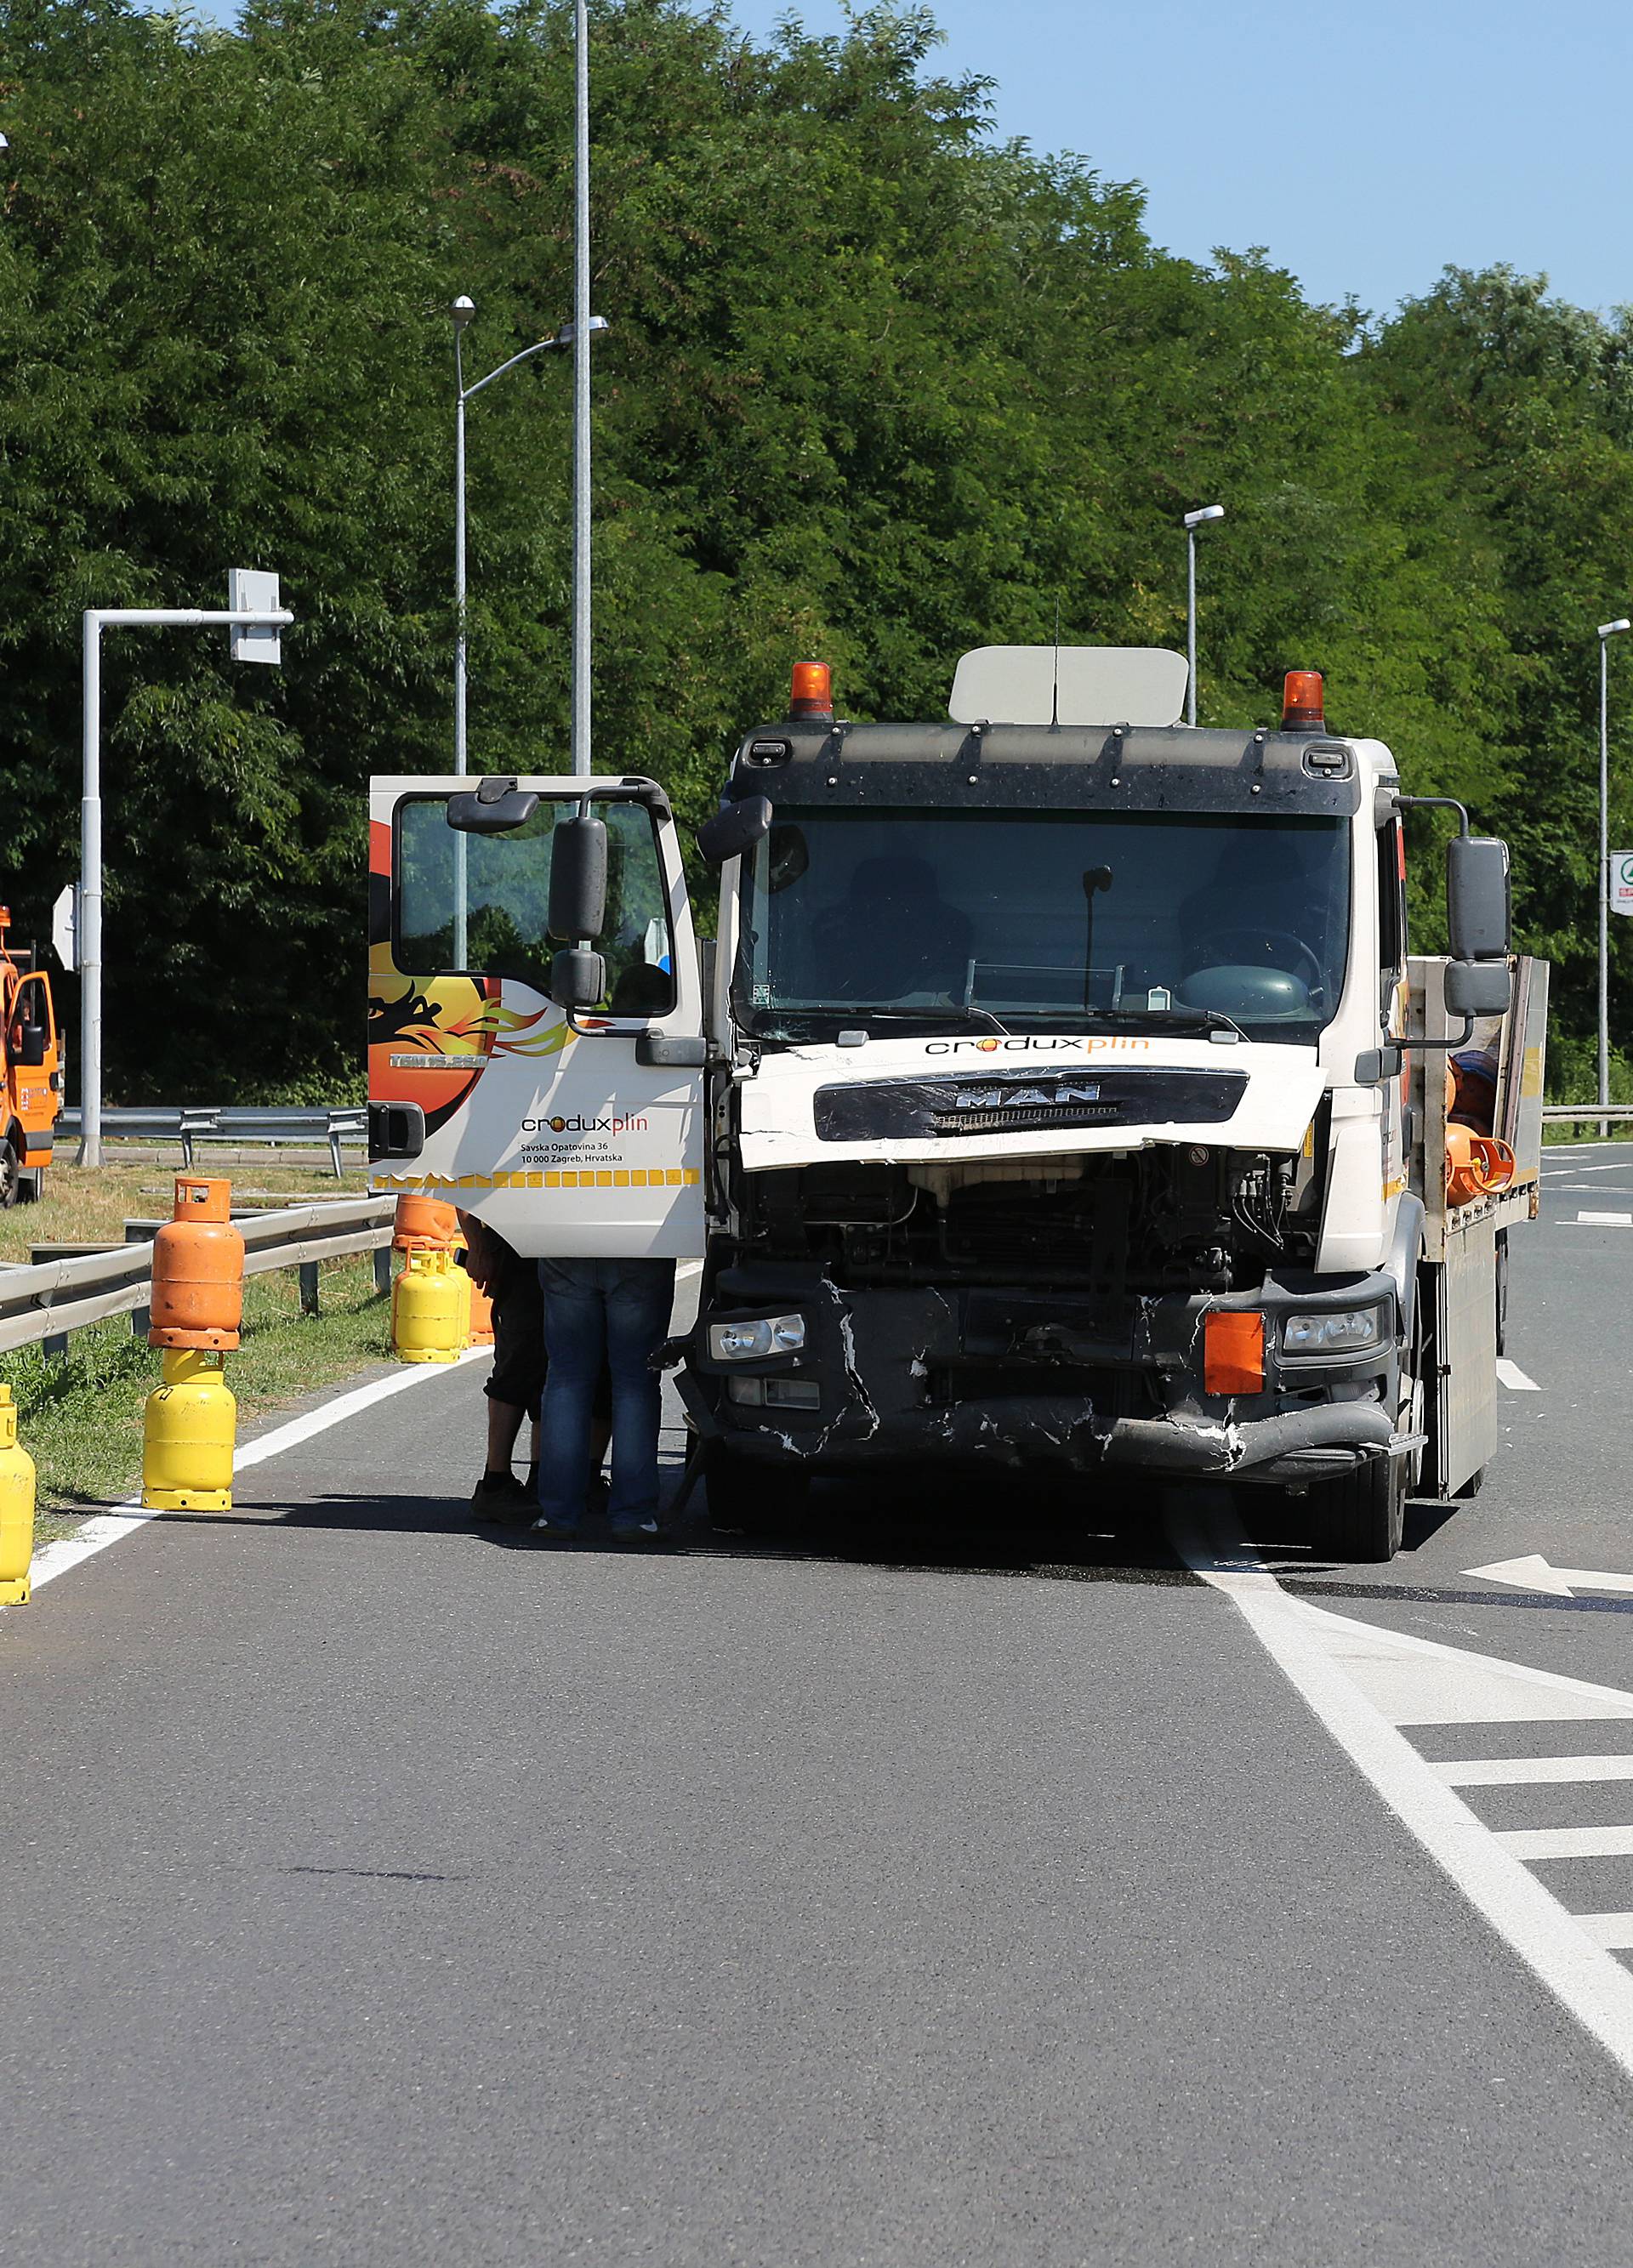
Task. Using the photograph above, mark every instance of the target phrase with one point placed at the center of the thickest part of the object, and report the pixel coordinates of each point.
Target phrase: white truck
(1059, 1095)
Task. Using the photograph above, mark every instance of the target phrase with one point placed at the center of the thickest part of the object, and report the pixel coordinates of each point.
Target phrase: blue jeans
(615, 1311)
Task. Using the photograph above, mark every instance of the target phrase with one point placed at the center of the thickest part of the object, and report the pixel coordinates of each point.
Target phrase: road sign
(66, 926)
(250, 592)
(1621, 881)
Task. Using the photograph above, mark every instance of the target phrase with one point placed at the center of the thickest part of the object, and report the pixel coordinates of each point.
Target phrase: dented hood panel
(952, 1101)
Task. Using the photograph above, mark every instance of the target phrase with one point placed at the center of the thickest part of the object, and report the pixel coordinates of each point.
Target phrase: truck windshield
(1017, 921)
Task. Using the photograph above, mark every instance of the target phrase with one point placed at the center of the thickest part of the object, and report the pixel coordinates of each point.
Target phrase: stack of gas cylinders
(196, 1308)
(1477, 1164)
(437, 1310)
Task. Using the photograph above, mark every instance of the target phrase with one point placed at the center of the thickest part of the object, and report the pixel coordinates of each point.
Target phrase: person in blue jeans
(595, 1310)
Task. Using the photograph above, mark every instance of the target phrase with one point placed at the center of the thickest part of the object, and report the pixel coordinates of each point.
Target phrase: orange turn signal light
(1302, 709)
(813, 690)
(1233, 1352)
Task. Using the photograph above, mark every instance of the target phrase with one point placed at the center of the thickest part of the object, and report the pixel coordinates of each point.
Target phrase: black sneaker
(500, 1496)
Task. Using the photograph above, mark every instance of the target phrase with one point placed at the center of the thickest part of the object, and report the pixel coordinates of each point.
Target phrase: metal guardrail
(346, 1128)
(1573, 1114)
(48, 1300)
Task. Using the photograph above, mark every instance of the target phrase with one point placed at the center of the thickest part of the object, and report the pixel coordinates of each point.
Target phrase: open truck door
(552, 1085)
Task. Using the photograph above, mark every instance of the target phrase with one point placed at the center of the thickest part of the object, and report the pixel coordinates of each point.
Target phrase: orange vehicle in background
(31, 1073)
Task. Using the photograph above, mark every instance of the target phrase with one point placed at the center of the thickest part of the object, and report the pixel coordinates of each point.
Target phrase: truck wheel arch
(1406, 1252)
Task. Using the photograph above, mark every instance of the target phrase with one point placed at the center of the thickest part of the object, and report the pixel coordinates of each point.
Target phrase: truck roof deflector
(1069, 685)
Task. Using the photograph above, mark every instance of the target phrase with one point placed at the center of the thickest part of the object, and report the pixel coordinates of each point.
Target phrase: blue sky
(1367, 146)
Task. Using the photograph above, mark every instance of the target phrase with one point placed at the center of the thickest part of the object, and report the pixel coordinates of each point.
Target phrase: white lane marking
(1533, 1573)
(1589, 1981)
(1510, 1374)
(1614, 1166)
(689, 1268)
(1601, 1220)
(1531, 1771)
(1567, 1842)
(1614, 1931)
(125, 1519)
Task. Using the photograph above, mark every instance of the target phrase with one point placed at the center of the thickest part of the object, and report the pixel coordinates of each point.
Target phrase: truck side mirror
(736, 829)
(578, 886)
(1477, 912)
(577, 979)
(1477, 988)
(31, 1047)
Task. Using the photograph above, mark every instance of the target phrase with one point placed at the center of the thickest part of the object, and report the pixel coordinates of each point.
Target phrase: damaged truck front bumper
(1039, 1379)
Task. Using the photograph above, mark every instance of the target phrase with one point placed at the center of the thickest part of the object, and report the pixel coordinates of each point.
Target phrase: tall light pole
(461, 310)
(1606, 631)
(461, 313)
(251, 616)
(581, 327)
(1193, 521)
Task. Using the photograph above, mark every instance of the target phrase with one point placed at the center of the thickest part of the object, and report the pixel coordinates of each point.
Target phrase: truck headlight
(754, 1341)
(1341, 1330)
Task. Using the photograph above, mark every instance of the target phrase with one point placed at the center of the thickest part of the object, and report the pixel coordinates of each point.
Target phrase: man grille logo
(996, 1097)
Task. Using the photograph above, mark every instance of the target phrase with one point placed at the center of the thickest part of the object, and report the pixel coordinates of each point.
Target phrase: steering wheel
(1217, 946)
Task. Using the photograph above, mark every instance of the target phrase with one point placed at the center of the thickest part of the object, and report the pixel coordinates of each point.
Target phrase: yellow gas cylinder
(186, 1435)
(430, 1308)
(16, 1509)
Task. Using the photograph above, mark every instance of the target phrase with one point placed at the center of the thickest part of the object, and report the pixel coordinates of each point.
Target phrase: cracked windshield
(1065, 921)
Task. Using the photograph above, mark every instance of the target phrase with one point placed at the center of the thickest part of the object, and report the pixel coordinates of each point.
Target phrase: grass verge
(80, 1206)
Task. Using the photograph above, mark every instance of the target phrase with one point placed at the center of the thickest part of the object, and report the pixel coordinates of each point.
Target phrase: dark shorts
(517, 1377)
(518, 1373)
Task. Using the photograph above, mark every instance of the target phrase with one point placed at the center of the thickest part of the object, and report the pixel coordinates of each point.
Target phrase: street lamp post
(1606, 631)
(583, 324)
(95, 621)
(461, 313)
(1193, 521)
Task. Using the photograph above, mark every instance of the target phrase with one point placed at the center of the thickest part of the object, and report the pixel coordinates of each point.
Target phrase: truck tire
(10, 1174)
(1361, 1515)
(749, 1498)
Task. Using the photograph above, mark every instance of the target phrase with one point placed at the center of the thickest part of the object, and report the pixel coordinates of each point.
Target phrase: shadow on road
(997, 1524)
(1002, 1524)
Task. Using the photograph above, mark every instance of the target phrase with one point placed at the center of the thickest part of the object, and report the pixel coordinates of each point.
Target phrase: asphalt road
(946, 1889)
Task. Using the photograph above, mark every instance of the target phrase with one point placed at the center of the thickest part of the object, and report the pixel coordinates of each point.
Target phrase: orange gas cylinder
(1476, 1164)
(422, 1224)
(481, 1315)
(198, 1269)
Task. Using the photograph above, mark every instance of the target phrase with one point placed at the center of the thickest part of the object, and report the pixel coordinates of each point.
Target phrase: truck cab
(31, 1072)
(1061, 1101)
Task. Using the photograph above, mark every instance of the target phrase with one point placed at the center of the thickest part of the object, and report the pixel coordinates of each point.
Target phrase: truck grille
(1011, 1103)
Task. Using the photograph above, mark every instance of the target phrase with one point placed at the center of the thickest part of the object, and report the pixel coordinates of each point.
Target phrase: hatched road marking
(1367, 1684)
(1567, 1842)
(1510, 1374)
(1531, 1771)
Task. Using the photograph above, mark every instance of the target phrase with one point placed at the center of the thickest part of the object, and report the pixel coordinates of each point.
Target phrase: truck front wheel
(1361, 1515)
(752, 1497)
(10, 1174)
